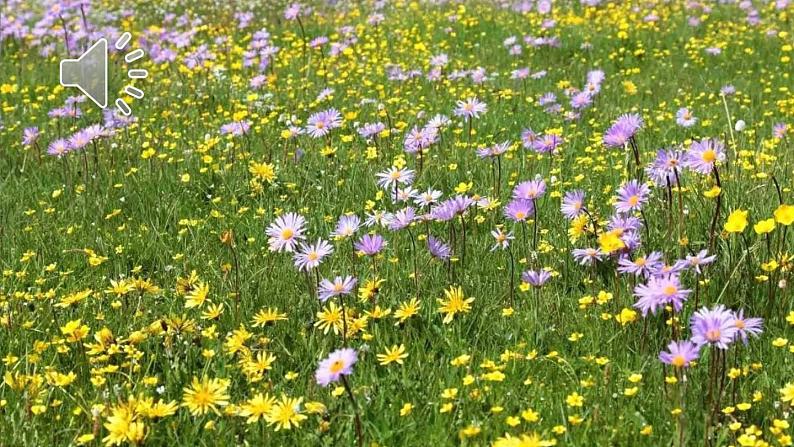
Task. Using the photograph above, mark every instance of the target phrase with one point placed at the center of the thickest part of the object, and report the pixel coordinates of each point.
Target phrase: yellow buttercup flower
(764, 226)
(784, 214)
(736, 222)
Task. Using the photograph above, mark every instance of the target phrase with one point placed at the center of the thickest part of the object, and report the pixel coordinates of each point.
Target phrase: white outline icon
(89, 73)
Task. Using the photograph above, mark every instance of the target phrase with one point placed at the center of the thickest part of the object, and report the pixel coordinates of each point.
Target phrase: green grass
(168, 227)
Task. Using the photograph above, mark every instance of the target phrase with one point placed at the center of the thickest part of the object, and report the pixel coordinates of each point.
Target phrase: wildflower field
(399, 223)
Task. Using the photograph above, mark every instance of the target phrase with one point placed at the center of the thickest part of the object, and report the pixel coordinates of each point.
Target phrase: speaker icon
(89, 73)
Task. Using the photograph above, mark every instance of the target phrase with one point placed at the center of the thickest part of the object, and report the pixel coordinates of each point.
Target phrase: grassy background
(168, 227)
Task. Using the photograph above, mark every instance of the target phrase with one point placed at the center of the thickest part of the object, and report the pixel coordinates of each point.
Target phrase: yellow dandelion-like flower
(286, 413)
(205, 395)
(454, 302)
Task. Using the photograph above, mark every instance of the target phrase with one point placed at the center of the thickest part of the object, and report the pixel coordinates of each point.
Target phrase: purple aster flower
(59, 148)
(470, 108)
(529, 190)
(285, 232)
(392, 176)
(663, 169)
(623, 129)
(30, 135)
(624, 223)
(572, 204)
(339, 286)
(339, 363)
(321, 123)
(236, 128)
(660, 291)
(631, 196)
(684, 118)
(371, 130)
(536, 278)
(501, 239)
(581, 100)
(644, 266)
(427, 198)
(310, 256)
(519, 210)
(79, 140)
(459, 204)
(716, 326)
(587, 256)
(746, 327)
(293, 11)
(547, 99)
(370, 244)
(528, 137)
(401, 219)
(727, 90)
(703, 155)
(780, 130)
(546, 143)
(438, 249)
(419, 139)
(680, 353)
(695, 262)
(347, 226)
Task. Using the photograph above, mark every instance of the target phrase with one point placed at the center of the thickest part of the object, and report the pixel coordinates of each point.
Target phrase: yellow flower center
(670, 290)
(739, 324)
(287, 233)
(713, 335)
(313, 256)
(678, 361)
(634, 200)
(709, 155)
(337, 366)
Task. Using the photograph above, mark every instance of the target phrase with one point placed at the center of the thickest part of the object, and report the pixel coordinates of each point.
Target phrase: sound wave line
(137, 73)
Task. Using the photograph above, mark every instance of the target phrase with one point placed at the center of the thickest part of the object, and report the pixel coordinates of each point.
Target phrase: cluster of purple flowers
(622, 130)
(260, 51)
(718, 327)
(417, 140)
(77, 141)
(322, 123)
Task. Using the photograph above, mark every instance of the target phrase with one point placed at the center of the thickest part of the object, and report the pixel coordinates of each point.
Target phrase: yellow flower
(787, 393)
(407, 310)
(764, 226)
(262, 171)
(784, 214)
(737, 222)
(393, 354)
(123, 427)
(197, 296)
(330, 318)
(406, 409)
(610, 242)
(205, 395)
(267, 316)
(257, 407)
(454, 303)
(574, 400)
(286, 413)
(75, 331)
(713, 192)
(532, 440)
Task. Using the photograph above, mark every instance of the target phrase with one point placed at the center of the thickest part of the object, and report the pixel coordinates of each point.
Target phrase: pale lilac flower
(310, 256)
(285, 232)
(680, 353)
(716, 326)
(339, 363)
(340, 286)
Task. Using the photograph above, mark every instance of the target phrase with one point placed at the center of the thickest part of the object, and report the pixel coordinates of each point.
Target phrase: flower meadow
(400, 223)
